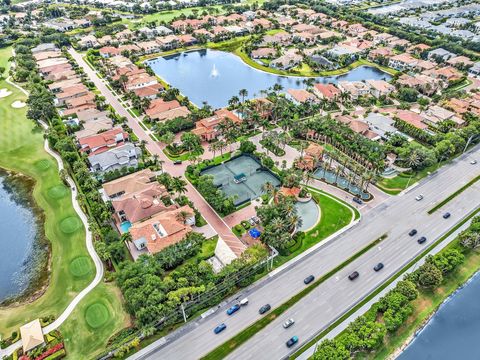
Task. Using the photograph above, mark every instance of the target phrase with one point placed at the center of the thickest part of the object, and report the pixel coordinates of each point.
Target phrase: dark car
(264, 308)
(219, 328)
(308, 279)
(412, 232)
(292, 341)
(446, 215)
(358, 200)
(177, 162)
(353, 275)
(378, 267)
(422, 240)
(233, 309)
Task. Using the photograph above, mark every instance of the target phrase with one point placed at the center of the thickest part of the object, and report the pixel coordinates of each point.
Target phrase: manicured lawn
(334, 216)
(93, 322)
(397, 184)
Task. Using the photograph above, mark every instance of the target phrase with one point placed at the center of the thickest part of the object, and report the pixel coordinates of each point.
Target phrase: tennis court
(242, 177)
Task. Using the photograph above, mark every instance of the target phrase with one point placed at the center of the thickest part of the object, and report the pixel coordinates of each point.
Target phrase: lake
(21, 252)
(452, 333)
(215, 76)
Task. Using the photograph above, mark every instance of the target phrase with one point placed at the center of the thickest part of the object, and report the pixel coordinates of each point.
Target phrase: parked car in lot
(292, 341)
(446, 215)
(233, 309)
(264, 309)
(353, 275)
(412, 232)
(288, 323)
(419, 197)
(358, 200)
(378, 267)
(219, 328)
(308, 279)
(244, 302)
(422, 240)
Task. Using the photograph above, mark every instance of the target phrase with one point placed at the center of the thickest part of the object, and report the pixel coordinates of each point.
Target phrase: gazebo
(32, 335)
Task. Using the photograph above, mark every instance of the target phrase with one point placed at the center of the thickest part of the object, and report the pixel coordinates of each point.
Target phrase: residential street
(395, 217)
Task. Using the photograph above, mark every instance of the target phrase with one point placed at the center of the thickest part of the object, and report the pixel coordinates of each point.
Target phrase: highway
(395, 217)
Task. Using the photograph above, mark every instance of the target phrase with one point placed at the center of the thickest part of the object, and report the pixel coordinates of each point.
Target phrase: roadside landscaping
(455, 194)
(229, 346)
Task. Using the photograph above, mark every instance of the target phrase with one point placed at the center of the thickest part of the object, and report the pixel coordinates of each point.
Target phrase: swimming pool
(309, 213)
(125, 226)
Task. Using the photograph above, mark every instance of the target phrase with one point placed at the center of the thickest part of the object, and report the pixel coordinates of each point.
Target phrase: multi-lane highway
(395, 217)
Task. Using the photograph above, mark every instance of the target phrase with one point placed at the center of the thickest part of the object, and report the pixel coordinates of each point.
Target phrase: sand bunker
(18, 104)
(4, 93)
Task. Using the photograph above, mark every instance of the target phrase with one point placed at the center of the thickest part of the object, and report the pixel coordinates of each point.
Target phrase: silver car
(288, 323)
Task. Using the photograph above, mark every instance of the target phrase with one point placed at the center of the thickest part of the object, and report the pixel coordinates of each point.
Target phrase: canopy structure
(254, 233)
(32, 335)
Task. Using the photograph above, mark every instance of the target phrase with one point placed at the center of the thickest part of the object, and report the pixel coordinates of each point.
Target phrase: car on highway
(308, 279)
(412, 232)
(292, 341)
(419, 197)
(446, 215)
(233, 309)
(473, 162)
(219, 328)
(353, 275)
(288, 323)
(358, 200)
(378, 267)
(264, 309)
(244, 302)
(422, 240)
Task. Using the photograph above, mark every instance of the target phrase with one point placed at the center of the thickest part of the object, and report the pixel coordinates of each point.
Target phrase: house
(440, 54)
(447, 74)
(32, 335)
(159, 106)
(339, 51)
(411, 118)
(88, 41)
(435, 115)
(355, 89)
(88, 99)
(150, 47)
(70, 93)
(380, 87)
(92, 128)
(187, 40)
(263, 53)
(162, 230)
(300, 96)
(99, 143)
(327, 91)
(109, 51)
(139, 80)
(418, 49)
(207, 128)
(47, 55)
(150, 92)
(174, 113)
(115, 159)
(402, 62)
(286, 61)
(358, 126)
(383, 52)
(63, 84)
(129, 184)
(168, 42)
(460, 61)
(44, 47)
(381, 125)
(91, 115)
(475, 69)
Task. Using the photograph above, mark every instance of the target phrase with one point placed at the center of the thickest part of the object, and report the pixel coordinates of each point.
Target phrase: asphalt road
(396, 217)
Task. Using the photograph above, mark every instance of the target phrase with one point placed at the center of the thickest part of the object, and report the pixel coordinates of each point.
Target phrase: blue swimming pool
(125, 226)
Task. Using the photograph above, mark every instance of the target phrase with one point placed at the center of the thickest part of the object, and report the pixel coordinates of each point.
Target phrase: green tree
(429, 276)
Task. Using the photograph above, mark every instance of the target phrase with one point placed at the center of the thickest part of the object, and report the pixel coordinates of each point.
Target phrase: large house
(99, 143)
(207, 128)
(115, 159)
(327, 91)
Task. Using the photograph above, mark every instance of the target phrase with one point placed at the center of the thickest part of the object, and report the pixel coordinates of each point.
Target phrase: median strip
(230, 345)
(455, 194)
(382, 287)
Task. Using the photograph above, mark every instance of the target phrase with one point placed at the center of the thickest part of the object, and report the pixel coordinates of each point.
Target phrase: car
(233, 309)
(288, 323)
(220, 328)
(378, 267)
(358, 200)
(308, 279)
(264, 309)
(244, 302)
(422, 240)
(412, 232)
(292, 341)
(419, 197)
(177, 162)
(446, 215)
(353, 275)
(473, 162)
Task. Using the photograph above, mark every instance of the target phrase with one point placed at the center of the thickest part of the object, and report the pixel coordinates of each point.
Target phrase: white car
(419, 197)
(288, 323)
(244, 302)
(473, 162)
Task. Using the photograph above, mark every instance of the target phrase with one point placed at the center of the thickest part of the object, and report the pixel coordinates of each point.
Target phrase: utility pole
(183, 313)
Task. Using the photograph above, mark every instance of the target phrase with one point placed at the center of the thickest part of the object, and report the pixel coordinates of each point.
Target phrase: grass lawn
(93, 322)
(72, 269)
(397, 184)
(334, 216)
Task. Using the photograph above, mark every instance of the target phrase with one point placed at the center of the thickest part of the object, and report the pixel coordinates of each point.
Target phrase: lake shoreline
(21, 187)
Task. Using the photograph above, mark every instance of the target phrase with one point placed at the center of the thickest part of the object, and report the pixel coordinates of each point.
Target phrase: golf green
(70, 224)
(57, 192)
(96, 315)
(80, 266)
(43, 165)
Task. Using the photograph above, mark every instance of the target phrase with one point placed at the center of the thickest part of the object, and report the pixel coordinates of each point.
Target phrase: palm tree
(178, 185)
(183, 215)
(234, 100)
(243, 93)
(268, 188)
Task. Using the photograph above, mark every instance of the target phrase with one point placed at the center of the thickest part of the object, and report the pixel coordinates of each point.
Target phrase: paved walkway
(222, 229)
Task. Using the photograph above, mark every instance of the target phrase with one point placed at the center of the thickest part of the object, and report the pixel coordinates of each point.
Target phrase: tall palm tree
(243, 93)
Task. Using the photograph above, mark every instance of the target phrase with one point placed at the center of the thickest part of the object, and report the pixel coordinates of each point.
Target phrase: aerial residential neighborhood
(245, 179)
